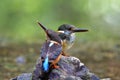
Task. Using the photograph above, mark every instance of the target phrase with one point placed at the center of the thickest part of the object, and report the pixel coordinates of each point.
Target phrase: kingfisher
(67, 33)
(51, 50)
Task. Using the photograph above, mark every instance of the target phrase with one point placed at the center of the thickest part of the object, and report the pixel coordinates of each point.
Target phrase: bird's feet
(55, 66)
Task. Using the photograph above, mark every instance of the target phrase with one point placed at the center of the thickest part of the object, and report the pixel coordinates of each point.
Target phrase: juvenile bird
(67, 34)
(51, 50)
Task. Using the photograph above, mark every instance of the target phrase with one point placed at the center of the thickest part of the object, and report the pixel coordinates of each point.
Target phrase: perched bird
(67, 33)
(51, 50)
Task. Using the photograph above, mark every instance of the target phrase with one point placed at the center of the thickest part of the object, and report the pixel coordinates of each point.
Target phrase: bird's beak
(79, 30)
(43, 27)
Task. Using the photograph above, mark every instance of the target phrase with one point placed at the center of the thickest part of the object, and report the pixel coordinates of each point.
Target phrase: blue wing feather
(46, 64)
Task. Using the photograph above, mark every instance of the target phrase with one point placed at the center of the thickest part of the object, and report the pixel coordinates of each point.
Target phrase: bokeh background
(21, 37)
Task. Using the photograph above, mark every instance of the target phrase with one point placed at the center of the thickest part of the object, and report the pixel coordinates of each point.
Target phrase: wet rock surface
(70, 68)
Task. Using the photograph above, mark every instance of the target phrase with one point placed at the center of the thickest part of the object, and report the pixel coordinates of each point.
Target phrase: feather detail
(46, 64)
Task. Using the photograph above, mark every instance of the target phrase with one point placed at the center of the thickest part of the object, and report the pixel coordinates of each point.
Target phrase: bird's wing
(51, 49)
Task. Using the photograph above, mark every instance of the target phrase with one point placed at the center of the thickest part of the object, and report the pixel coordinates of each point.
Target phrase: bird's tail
(46, 64)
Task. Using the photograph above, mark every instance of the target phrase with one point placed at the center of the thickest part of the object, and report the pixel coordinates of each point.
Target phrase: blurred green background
(21, 35)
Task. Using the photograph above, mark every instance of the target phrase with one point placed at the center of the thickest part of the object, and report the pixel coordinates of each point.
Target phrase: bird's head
(69, 29)
(51, 35)
(67, 34)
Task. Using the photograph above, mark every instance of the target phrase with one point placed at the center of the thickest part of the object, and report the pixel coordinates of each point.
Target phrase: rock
(24, 76)
(20, 60)
(70, 68)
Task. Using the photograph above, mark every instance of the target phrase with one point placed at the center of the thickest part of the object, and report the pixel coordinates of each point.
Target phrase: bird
(67, 33)
(51, 50)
